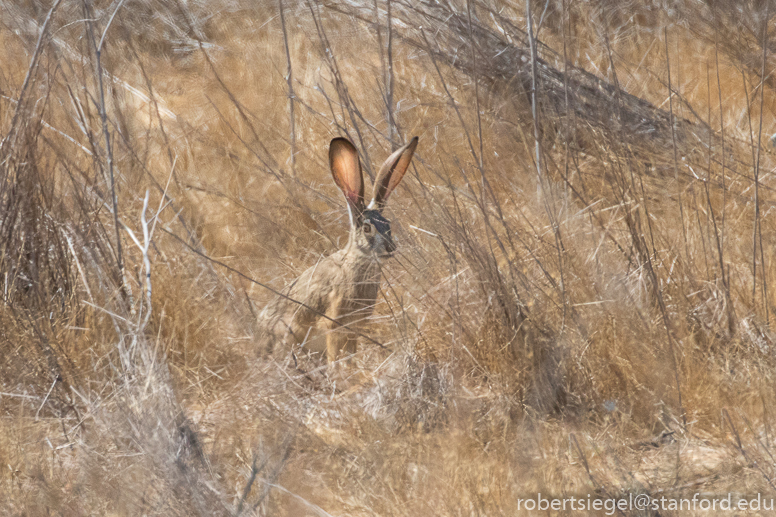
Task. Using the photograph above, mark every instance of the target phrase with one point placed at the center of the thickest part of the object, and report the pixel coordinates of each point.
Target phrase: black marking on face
(382, 227)
(380, 223)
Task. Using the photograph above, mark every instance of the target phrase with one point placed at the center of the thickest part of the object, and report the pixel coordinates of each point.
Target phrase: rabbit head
(369, 230)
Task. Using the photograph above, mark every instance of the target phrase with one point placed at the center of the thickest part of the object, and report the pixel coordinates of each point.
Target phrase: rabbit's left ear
(346, 169)
(391, 173)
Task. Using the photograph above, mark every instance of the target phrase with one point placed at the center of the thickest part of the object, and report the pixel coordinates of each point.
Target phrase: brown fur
(342, 287)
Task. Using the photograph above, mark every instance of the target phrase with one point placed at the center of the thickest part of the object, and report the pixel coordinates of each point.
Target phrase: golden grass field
(581, 302)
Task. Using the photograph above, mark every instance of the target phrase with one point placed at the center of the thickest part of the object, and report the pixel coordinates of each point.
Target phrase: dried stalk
(534, 93)
(290, 83)
(673, 145)
(97, 48)
(389, 81)
(758, 231)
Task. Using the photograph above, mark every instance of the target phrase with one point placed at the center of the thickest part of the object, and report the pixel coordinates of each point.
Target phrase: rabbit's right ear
(391, 173)
(346, 169)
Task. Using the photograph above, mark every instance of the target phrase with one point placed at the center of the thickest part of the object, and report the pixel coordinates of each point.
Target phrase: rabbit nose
(390, 246)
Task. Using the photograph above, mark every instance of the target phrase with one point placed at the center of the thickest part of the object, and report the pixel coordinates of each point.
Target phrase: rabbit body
(343, 287)
(325, 306)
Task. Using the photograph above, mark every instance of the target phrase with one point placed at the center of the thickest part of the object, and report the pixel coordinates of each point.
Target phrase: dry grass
(597, 325)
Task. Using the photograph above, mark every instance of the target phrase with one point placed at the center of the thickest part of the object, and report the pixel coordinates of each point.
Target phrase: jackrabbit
(343, 286)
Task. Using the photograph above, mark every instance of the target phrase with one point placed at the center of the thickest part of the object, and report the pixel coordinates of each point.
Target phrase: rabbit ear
(346, 169)
(391, 173)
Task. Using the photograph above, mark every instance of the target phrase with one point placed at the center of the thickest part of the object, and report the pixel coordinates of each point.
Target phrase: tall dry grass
(581, 303)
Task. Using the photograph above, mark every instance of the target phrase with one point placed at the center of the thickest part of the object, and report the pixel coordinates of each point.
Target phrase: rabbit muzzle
(389, 247)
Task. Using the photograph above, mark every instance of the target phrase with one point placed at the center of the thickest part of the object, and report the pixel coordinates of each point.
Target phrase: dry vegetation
(581, 304)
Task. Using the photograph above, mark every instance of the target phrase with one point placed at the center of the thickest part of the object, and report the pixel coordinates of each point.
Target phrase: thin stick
(673, 143)
(110, 21)
(534, 85)
(291, 96)
(106, 135)
(146, 260)
(544, 194)
(725, 275)
(476, 84)
(255, 470)
(37, 413)
(758, 230)
(389, 82)
(380, 48)
(477, 104)
(728, 306)
(754, 165)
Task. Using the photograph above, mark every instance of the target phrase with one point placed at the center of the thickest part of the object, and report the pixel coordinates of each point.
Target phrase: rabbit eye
(367, 228)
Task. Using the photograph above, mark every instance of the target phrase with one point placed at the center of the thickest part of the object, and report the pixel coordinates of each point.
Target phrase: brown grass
(600, 326)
